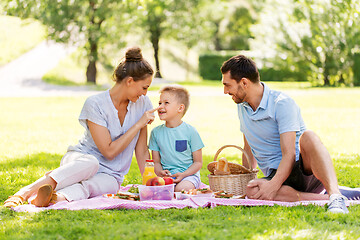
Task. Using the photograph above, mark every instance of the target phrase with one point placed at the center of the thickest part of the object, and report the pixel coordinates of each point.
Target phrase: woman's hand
(148, 117)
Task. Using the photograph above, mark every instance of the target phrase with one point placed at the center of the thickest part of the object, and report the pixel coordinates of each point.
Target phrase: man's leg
(285, 193)
(317, 160)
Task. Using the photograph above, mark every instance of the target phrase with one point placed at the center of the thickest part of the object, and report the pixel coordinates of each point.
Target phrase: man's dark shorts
(299, 180)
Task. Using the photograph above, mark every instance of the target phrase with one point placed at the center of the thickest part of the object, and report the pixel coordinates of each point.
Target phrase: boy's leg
(189, 182)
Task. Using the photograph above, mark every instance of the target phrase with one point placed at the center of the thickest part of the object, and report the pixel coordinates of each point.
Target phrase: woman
(115, 123)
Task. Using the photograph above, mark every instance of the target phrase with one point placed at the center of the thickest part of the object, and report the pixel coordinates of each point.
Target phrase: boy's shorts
(195, 180)
(299, 180)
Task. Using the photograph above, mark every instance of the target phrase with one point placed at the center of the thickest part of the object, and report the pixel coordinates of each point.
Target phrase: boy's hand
(165, 173)
(178, 177)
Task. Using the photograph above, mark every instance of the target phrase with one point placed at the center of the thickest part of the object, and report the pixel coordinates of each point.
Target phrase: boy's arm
(194, 168)
(157, 165)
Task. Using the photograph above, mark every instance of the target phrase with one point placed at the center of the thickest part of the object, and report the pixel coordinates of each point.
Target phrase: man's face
(233, 88)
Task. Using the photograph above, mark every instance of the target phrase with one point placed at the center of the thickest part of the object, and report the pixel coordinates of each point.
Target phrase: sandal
(44, 196)
(14, 201)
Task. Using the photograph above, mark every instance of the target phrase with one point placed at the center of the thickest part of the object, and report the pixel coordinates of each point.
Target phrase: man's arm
(269, 189)
(252, 159)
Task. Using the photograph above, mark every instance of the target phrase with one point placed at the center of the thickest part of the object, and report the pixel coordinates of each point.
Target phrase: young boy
(176, 146)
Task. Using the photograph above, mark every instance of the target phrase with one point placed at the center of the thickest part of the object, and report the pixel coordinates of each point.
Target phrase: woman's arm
(110, 149)
(194, 168)
(141, 150)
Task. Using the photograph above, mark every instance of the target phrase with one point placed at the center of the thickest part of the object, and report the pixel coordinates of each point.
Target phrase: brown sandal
(44, 196)
(14, 201)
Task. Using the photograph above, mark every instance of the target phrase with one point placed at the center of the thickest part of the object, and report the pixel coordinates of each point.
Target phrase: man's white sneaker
(337, 204)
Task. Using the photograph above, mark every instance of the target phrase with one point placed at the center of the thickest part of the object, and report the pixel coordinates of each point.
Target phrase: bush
(210, 64)
(356, 69)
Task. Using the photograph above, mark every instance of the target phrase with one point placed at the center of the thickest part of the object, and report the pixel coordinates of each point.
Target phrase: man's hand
(267, 190)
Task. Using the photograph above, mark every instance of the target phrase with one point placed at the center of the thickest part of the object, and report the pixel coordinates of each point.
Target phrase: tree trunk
(91, 68)
(91, 72)
(217, 40)
(155, 43)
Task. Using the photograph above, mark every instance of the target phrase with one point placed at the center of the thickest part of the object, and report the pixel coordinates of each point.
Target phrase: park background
(308, 49)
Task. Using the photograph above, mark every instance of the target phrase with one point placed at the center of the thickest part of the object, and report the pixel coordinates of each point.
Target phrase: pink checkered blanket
(102, 202)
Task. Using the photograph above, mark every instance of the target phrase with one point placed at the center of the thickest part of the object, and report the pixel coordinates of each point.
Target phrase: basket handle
(242, 150)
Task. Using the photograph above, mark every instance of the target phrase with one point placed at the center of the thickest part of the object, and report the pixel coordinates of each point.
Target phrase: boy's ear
(181, 108)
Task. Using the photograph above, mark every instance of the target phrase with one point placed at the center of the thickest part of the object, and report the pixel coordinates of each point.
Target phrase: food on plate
(134, 189)
(128, 196)
(223, 194)
(197, 191)
(123, 195)
(222, 167)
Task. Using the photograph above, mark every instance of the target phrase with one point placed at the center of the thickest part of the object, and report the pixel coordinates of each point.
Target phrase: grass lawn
(35, 133)
(18, 36)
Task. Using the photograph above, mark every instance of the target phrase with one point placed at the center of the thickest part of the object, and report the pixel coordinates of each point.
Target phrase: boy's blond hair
(181, 94)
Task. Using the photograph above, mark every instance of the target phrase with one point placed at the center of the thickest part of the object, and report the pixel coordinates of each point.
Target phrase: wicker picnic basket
(236, 182)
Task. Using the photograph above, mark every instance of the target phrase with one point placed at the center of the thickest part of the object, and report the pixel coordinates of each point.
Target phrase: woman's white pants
(77, 177)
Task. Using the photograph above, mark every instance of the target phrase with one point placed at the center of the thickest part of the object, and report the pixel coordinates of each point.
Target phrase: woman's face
(138, 88)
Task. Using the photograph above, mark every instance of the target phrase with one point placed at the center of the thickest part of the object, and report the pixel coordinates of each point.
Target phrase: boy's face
(169, 107)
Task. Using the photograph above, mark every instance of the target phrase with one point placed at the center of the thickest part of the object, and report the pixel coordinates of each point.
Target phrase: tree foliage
(169, 19)
(91, 24)
(328, 42)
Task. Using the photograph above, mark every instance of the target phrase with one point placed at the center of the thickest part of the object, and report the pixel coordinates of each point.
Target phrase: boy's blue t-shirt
(176, 146)
(276, 114)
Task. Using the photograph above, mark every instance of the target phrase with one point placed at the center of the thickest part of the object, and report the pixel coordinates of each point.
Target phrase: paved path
(22, 77)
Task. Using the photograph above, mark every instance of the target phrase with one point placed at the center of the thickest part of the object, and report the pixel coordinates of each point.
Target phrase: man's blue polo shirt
(276, 114)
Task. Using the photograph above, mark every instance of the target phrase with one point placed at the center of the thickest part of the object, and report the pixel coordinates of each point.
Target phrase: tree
(237, 31)
(159, 18)
(326, 39)
(88, 23)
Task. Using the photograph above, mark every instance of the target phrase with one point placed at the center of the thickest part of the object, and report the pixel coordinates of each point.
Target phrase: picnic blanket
(102, 202)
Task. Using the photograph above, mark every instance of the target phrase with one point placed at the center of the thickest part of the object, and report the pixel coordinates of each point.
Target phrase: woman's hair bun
(133, 55)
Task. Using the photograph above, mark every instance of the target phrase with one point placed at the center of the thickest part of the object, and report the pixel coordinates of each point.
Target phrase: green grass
(18, 36)
(35, 133)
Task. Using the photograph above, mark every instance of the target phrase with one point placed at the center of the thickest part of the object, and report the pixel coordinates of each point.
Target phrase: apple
(149, 181)
(168, 180)
(157, 181)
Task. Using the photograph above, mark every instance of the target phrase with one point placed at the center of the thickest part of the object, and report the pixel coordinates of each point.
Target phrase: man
(296, 164)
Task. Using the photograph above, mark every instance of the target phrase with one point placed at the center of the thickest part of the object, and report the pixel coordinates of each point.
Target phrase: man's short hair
(181, 94)
(240, 67)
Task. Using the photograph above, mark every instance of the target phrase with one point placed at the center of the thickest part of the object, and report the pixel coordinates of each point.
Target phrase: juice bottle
(149, 171)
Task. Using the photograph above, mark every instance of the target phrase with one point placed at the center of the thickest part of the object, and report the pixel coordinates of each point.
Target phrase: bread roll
(222, 167)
